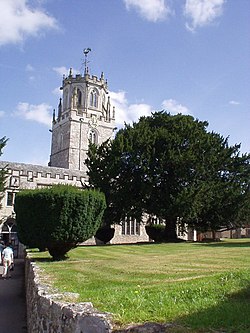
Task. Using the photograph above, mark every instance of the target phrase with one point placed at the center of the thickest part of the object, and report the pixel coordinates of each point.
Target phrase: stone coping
(48, 312)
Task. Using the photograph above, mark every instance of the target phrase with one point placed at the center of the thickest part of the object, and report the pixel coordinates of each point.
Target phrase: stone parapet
(47, 312)
(31, 171)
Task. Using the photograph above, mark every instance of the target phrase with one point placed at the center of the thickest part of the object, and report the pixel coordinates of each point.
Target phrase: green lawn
(202, 286)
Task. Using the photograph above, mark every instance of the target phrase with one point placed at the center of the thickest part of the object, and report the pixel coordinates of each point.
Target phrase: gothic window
(65, 99)
(123, 228)
(61, 141)
(5, 228)
(79, 97)
(128, 224)
(130, 227)
(93, 98)
(14, 181)
(137, 228)
(93, 136)
(10, 198)
(155, 220)
(14, 228)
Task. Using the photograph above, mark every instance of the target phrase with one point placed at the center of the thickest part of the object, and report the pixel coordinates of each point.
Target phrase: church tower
(84, 115)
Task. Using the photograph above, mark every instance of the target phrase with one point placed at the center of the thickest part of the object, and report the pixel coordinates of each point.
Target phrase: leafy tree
(170, 166)
(242, 217)
(3, 172)
(58, 218)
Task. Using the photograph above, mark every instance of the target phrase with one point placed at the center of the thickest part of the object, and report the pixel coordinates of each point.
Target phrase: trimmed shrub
(58, 217)
(105, 234)
(156, 232)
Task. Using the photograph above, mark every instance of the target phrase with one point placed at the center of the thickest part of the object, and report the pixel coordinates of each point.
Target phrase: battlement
(20, 174)
(86, 78)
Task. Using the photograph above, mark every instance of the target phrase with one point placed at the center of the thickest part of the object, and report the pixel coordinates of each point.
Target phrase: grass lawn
(201, 286)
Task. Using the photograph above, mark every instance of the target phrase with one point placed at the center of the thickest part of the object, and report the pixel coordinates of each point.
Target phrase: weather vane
(86, 51)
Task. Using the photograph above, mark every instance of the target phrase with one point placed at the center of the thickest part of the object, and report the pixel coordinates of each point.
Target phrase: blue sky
(188, 56)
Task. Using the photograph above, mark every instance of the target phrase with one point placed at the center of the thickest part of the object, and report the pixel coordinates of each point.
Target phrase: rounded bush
(59, 217)
(105, 234)
(156, 232)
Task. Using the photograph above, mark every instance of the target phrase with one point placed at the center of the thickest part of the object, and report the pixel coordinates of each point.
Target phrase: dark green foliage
(171, 167)
(3, 172)
(105, 234)
(156, 232)
(58, 217)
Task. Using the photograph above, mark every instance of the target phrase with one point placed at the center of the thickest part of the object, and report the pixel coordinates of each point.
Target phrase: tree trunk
(170, 230)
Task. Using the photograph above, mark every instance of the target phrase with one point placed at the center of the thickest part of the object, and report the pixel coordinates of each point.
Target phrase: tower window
(10, 198)
(79, 97)
(93, 99)
(93, 136)
(65, 99)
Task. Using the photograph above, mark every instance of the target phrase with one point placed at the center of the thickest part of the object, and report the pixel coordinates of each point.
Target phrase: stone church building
(84, 114)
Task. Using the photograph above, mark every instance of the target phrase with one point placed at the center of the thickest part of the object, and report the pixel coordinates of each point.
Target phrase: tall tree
(172, 167)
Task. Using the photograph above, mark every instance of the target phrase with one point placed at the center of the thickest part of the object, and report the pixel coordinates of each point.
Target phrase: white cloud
(65, 71)
(19, 20)
(41, 113)
(234, 103)
(126, 112)
(202, 12)
(61, 70)
(57, 91)
(173, 107)
(151, 10)
(32, 78)
(29, 68)
(2, 113)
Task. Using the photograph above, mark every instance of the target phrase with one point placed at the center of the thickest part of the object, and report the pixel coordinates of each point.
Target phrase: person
(7, 259)
(1, 250)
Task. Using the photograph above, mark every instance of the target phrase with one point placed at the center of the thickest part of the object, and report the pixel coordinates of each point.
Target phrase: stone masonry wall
(47, 312)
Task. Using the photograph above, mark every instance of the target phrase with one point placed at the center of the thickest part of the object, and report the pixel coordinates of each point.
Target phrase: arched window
(130, 226)
(14, 228)
(61, 141)
(65, 99)
(93, 98)
(93, 136)
(79, 97)
(5, 228)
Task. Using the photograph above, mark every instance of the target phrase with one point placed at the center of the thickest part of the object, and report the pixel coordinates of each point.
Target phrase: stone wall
(119, 238)
(48, 312)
